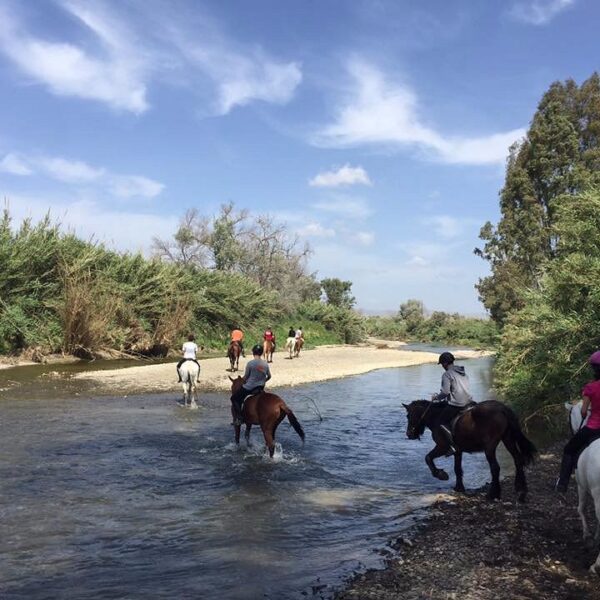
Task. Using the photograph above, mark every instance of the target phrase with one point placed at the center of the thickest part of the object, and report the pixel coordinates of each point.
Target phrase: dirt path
(319, 364)
(470, 549)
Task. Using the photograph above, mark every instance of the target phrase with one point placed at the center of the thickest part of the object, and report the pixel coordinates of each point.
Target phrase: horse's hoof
(522, 497)
(442, 475)
(460, 489)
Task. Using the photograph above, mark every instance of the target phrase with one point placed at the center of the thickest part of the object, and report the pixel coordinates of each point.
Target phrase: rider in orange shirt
(237, 335)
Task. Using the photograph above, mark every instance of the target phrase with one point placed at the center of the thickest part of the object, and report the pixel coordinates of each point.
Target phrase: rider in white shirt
(189, 350)
(299, 333)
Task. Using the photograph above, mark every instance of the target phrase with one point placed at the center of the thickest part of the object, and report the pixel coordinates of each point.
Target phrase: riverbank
(319, 364)
(470, 549)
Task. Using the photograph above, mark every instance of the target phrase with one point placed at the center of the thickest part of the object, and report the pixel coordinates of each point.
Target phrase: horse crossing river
(104, 497)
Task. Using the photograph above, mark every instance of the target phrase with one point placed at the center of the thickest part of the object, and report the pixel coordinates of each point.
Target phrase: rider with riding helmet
(269, 336)
(588, 432)
(189, 350)
(255, 377)
(237, 335)
(455, 392)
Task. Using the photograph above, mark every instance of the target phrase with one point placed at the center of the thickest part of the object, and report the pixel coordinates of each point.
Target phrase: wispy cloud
(351, 208)
(364, 238)
(77, 172)
(315, 229)
(115, 74)
(115, 57)
(344, 176)
(15, 165)
(539, 12)
(377, 112)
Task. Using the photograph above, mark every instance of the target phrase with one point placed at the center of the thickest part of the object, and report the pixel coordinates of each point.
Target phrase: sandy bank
(319, 364)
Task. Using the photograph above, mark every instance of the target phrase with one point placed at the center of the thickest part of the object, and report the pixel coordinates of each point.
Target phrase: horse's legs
(247, 434)
(459, 487)
(438, 451)
(520, 481)
(269, 440)
(490, 454)
(193, 395)
(582, 502)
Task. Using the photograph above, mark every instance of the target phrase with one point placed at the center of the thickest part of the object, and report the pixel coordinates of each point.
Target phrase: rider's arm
(585, 406)
(268, 373)
(246, 373)
(445, 389)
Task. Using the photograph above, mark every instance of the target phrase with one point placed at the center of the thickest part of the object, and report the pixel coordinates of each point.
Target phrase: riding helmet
(257, 350)
(595, 358)
(446, 358)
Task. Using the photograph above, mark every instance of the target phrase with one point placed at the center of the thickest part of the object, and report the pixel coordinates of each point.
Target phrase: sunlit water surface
(104, 497)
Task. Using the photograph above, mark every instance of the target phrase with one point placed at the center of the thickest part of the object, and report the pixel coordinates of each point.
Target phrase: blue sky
(377, 130)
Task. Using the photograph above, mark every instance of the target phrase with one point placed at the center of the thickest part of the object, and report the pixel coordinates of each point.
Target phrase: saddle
(457, 418)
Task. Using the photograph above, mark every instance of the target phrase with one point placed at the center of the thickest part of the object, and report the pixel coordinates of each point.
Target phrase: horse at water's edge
(233, 354)
(189, 375)
(478, 429)
(267, 410)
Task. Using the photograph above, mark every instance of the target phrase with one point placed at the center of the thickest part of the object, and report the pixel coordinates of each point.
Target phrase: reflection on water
(104, 497)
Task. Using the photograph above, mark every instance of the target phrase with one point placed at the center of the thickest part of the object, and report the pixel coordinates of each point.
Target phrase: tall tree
(558, 157)
(338, 292)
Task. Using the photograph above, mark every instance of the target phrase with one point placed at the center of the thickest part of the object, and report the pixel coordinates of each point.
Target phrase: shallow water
(104, 497)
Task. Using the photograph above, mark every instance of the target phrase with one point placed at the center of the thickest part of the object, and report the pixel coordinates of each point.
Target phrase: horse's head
(415, 412)
(236, 383)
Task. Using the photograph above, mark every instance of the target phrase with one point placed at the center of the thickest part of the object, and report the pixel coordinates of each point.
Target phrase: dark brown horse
(267, 410)
(479, 429)
(233, 354)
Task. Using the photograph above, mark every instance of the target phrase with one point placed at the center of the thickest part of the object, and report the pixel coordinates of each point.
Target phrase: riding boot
(448, 434)
(566, 468)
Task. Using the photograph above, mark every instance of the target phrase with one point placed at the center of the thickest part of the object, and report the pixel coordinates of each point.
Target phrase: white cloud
(89, 219)
(351, 208)
(364, 238)
(15, 165)
(345, 175)
(115, 75)
(381, 113)
(70, 171)
(539, 12)
(315, 229)
(78, 172)
(127, 186)
(243, 74)
(446, 226)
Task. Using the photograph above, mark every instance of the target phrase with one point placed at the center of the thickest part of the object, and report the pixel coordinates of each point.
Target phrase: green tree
(412, 313)
(558, 157)
(338, 292)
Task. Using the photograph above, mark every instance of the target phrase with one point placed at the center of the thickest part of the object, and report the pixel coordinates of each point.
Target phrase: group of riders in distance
(457, 423)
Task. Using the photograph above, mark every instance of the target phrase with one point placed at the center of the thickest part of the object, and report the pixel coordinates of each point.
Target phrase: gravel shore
(471, 549)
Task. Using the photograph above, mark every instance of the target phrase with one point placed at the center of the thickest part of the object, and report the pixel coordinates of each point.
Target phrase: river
(112, 497)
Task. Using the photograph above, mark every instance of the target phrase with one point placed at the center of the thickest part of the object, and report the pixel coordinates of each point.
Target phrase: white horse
(588, 478)
(290, 346)
(189, 371)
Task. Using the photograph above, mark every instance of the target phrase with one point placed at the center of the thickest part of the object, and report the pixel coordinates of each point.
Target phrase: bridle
(420, 421)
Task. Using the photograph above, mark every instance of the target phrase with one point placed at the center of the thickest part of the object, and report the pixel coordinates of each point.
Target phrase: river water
(105, 497)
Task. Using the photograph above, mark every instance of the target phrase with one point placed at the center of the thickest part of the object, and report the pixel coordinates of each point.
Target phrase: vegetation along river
(112, 497)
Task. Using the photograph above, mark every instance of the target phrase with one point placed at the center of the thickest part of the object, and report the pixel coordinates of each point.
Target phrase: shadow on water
(107, 497)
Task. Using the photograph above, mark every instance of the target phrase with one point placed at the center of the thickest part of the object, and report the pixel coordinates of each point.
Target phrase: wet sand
(319, 364)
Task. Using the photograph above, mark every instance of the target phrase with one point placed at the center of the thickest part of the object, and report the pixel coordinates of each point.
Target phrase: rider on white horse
(189, 350)
(587, 433)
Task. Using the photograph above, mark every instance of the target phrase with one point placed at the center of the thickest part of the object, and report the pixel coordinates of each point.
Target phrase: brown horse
(267, 410)
(478, 429)
(268, 349)
(233, 354)
(298, 346)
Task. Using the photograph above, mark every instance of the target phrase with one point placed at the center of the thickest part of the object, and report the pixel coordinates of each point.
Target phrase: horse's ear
(231, 378)
(405, 406)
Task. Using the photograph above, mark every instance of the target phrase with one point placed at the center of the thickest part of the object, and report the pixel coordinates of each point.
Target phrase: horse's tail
(525, 445)
(293, 420)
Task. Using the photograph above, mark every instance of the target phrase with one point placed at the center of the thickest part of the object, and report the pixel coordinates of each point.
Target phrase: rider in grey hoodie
(455, 391)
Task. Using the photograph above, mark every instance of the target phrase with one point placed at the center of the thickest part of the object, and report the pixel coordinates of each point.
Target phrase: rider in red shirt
(268, 335)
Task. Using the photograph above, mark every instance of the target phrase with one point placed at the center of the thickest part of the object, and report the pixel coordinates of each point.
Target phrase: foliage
(545, 344)
(338, 292)
(558, 158)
